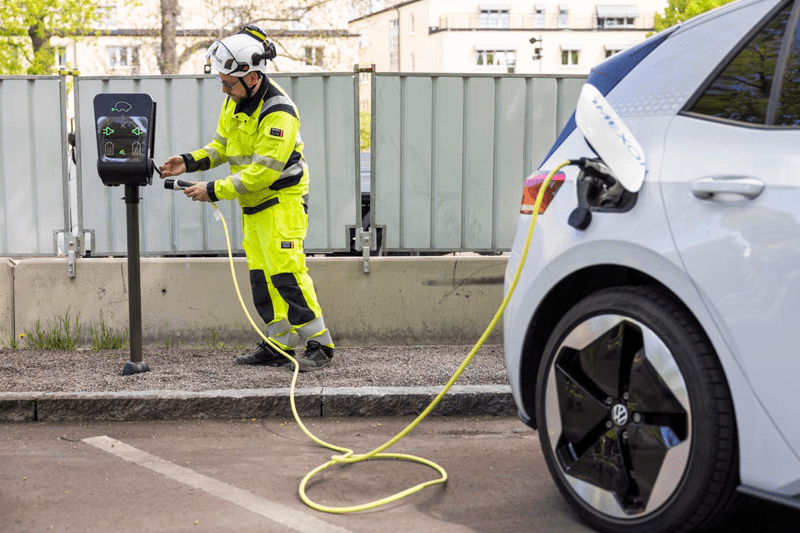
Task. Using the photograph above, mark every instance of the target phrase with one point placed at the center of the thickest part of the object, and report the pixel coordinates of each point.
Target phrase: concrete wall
(6, 301)
(402, 301)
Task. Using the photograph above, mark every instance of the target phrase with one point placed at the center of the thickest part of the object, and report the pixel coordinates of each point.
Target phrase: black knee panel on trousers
(287, 287)
(261, 299)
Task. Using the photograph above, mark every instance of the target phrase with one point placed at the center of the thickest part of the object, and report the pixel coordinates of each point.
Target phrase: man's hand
(174, 166)
(198, 192)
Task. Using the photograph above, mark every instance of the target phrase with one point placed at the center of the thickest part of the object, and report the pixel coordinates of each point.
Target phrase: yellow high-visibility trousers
(283, 292)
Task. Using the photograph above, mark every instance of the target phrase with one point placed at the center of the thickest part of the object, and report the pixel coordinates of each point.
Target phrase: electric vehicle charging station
(125, 129)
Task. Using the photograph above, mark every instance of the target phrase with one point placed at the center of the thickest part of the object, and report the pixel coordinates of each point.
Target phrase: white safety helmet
(242, 53)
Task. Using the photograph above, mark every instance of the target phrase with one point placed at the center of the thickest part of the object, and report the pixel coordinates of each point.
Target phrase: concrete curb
(467, 400)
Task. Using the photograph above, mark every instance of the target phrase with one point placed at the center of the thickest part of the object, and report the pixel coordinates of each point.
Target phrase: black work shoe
(264, 355)
(315, 357)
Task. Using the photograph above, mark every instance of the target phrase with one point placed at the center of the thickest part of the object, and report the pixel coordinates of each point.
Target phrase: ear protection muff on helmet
(260, 35)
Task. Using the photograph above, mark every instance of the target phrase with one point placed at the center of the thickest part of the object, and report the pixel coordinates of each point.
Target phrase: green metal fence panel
(450, 153)
(33, 174)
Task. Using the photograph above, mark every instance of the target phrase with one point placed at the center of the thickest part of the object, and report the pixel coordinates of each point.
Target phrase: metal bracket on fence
(366, 240)
(69, 245)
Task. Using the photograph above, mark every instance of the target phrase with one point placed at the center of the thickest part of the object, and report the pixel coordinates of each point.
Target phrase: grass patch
(60, 334)
(11, 342)
(213, 343)
(105, 338)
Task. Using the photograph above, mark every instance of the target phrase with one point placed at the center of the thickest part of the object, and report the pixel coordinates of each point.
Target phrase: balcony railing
(532, 22)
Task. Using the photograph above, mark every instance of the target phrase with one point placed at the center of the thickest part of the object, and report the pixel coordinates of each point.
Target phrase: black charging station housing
(125, 125)
(125, 128)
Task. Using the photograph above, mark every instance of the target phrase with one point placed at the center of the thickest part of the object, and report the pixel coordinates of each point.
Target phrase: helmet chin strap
(248, 90)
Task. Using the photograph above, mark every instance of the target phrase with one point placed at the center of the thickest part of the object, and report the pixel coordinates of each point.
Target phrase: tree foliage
(28, 25)
(679, 10)
(226, 19)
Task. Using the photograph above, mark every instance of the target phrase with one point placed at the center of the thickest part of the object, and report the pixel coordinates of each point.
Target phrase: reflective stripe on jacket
(260, 139)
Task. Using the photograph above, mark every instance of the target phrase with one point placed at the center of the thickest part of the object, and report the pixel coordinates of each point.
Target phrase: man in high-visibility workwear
(258, 134)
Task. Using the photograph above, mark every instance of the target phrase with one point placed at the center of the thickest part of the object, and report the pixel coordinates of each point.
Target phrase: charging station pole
(136, 365)
(125, 142)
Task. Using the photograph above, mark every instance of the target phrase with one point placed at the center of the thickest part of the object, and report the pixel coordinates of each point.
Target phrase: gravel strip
(205, 369)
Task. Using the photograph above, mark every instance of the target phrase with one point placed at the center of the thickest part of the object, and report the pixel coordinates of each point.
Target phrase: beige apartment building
(310, 36)
(495, 37)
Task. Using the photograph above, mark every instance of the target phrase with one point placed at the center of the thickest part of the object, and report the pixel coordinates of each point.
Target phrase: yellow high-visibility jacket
(260, 139)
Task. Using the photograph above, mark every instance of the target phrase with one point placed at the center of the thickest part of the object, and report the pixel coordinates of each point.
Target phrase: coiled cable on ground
(348, 456)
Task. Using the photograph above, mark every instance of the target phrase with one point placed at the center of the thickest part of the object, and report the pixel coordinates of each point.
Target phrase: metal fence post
(366, 240)
(72, 242)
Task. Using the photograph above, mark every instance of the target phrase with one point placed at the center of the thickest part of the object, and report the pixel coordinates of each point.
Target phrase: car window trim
(780, 68)
(720, 68)
(738, 123)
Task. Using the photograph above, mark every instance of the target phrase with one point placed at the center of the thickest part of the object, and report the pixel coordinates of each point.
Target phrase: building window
(411, 24)
(394, 44)
(123, 57)
(61, 56)
(495, 19)
(569, 57)
(497, 58)
(315, 55)
(413, 63)
(563, 16)
(614, 23)
(106, 17)
(614, 49)
(363, 39)
(538, 18)
(616, 17)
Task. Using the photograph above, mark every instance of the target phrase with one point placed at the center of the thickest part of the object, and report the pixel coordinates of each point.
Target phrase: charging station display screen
(122, 139)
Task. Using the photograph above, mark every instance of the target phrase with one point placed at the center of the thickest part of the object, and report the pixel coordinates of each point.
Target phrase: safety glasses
(225, 83)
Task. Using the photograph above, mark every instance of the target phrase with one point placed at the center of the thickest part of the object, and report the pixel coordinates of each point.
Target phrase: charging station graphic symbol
(107, 131)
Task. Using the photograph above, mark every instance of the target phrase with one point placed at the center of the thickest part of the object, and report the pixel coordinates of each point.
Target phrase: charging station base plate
(135, 368)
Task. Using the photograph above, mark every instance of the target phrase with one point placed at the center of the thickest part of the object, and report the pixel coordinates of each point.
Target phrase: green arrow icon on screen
(122, 152)
(107, 131)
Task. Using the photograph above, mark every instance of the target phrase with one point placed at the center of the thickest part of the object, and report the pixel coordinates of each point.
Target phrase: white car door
(731, 184)
(732, 196)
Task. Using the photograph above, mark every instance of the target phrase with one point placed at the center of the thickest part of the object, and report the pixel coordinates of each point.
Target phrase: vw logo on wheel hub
(619, 414)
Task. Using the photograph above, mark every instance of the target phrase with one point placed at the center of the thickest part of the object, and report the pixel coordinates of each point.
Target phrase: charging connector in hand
(177, 185)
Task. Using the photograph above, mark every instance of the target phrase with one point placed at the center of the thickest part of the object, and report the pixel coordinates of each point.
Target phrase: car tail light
(531, 191)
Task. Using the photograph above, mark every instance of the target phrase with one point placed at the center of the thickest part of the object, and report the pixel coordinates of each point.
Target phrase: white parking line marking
(270, 510)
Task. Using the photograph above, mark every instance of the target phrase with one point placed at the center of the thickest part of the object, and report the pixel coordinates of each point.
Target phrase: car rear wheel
(635, 416)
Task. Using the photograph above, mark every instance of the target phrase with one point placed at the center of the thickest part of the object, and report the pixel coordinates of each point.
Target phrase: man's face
(234, 88)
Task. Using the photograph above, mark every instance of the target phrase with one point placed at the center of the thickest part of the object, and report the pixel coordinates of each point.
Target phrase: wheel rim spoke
(619, 418)
(581, 410)
(649, 393)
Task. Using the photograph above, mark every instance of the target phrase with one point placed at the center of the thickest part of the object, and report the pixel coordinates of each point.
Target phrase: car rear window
(741, 92)
(610, 72)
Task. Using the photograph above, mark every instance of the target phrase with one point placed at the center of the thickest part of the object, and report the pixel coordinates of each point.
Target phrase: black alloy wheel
(635, 417)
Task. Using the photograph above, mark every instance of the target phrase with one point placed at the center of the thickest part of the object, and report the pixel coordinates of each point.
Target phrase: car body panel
(754, 281)
(649, 100)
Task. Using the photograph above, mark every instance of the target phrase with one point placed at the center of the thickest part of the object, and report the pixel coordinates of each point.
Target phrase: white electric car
(651, 337)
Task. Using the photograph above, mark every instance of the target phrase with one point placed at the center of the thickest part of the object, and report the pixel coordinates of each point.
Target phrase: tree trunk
(168, 58)
(42, 51)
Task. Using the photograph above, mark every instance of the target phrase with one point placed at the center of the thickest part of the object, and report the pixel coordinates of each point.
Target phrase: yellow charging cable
(349, 456)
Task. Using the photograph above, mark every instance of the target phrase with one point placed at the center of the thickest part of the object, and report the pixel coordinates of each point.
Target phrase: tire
(635, 416)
